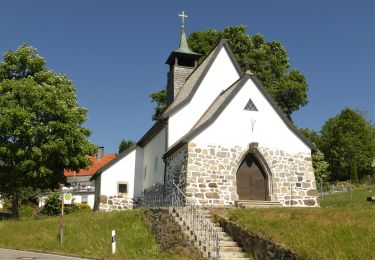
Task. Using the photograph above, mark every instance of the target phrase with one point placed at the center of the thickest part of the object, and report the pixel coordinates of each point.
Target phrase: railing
(170, 195)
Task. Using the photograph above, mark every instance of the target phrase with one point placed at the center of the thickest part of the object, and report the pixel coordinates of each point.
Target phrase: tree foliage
(313, 136)
(160, 99)
(41, 131)
(348, 143)
(125, 144)
(268, 60)
(320, 168)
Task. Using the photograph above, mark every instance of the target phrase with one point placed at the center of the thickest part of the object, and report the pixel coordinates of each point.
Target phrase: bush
(84, 206)
(52, 206)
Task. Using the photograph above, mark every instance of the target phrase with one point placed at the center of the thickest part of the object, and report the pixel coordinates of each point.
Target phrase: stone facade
(211, 174)
(115, 203)
(293, 177)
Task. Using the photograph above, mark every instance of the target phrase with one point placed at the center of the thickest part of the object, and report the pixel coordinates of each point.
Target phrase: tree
(160, 98)
(320, 168)
(312, 135)
(348, 143)
(125, 144)
(268, 60)
(41, 131)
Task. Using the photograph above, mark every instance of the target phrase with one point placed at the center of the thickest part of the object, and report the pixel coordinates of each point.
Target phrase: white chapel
(222, 139)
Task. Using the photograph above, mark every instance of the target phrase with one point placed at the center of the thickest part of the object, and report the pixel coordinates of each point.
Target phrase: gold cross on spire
(182, 15)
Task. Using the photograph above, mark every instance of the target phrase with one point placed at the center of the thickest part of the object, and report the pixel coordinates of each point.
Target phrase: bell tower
(182, 62)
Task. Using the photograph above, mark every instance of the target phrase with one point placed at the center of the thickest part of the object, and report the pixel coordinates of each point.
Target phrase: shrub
(52, 206)
(84, 206)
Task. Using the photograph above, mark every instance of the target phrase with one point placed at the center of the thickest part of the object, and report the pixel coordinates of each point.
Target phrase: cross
(183, 18)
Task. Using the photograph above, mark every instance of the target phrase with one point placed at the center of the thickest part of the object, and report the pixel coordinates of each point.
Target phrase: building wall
(221, 75)
(120, 172)
(238, 127)
(211, 175)
(216, 153)
(153, 164)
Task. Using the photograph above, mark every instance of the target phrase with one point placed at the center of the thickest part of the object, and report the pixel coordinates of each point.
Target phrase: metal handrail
(188, 211)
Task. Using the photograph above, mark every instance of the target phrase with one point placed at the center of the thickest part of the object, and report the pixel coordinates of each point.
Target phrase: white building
(222, 139)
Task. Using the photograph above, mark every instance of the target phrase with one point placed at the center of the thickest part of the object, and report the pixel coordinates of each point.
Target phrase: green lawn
(86, 234)
(340, 229)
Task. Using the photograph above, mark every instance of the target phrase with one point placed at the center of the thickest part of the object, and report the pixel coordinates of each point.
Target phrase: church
(222, 139)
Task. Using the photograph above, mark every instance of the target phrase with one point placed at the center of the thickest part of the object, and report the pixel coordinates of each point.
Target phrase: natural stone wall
(115, 203)
(211, 175)
(169, 235)
(293, 177)
(254, 244)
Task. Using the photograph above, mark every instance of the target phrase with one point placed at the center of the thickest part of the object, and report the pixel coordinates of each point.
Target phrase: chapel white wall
(153, 164)
(238, 127)
(220, 76)
(120, 172)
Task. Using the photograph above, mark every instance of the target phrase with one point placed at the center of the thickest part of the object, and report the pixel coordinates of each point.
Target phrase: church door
(251, 180)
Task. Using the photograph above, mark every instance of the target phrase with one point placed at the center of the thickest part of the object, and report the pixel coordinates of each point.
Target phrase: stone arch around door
(252, 169)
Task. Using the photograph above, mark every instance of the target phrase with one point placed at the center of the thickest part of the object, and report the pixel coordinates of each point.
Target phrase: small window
(122, 188)
(145, 175)
(250, 106)
(84, 199)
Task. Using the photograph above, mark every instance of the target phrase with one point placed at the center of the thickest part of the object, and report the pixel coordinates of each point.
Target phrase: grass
(86, 234)
(340, 229)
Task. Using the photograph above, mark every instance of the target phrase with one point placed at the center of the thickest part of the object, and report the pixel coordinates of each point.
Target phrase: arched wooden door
(251, 180)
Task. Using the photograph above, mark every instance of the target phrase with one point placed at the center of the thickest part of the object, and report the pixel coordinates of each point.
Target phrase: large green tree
(268, 60)
(41, 131)
(348, 143)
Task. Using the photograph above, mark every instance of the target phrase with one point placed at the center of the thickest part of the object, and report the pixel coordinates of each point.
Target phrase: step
(257, 204)
(234, 258)
(232, 255)
(227, 243)
(230, 249)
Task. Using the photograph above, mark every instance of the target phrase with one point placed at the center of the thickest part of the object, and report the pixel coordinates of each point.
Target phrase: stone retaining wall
(169, 235)
(211, 174)
(255, 245)
(115, 203)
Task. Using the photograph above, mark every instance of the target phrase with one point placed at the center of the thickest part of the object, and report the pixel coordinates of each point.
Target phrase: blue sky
(114, 51)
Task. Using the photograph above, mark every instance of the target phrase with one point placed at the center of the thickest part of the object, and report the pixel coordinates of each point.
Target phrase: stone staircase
(257, 204)
(228, 249)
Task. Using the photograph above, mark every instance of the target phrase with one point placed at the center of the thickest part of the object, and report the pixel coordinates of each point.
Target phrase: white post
(113, 242)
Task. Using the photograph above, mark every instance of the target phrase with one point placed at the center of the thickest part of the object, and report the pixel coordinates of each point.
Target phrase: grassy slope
(340, 229)
(86, 234)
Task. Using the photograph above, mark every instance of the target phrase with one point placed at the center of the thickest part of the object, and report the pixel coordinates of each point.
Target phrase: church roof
(220, 103)
(193, 81)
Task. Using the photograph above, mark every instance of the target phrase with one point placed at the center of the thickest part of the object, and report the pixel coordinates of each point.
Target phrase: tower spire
(182, 62)
(183, 47)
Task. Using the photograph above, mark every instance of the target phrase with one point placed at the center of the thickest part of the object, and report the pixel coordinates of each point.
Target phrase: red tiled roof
(95, 166)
